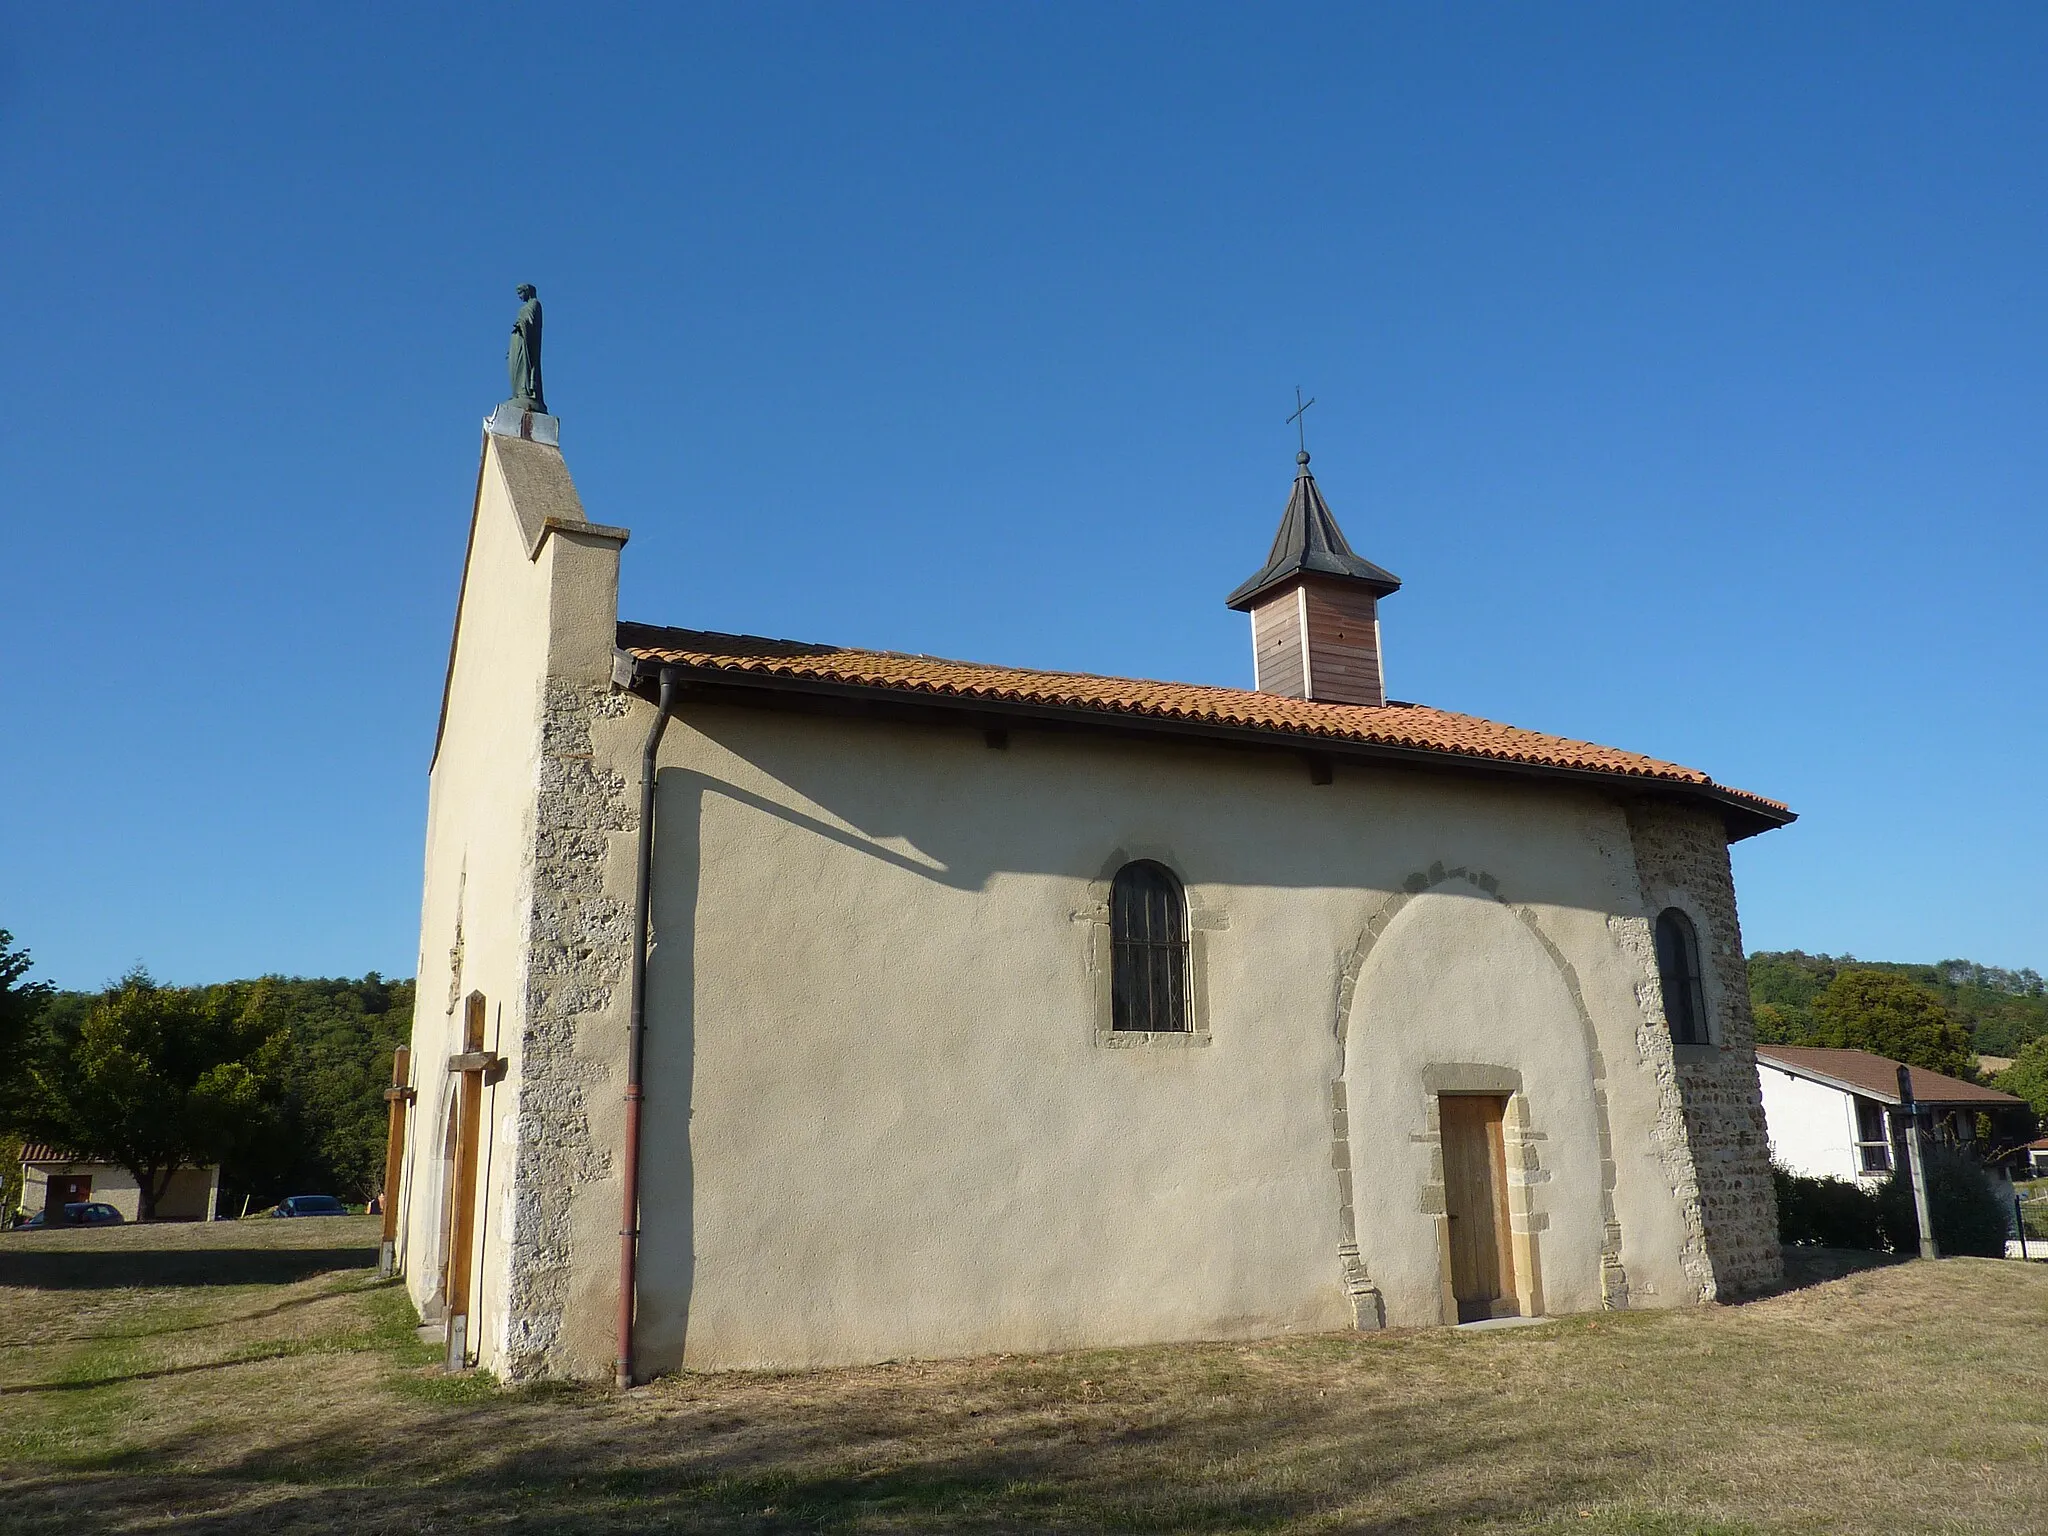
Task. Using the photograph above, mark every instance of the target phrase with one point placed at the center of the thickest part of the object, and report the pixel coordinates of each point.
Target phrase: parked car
(78, 1213)
(310, 1205)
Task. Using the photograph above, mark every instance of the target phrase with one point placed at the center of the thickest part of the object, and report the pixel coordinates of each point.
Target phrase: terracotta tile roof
(1411, 727)
(1876, 1077)
(43, 1152)
(2037, 1146)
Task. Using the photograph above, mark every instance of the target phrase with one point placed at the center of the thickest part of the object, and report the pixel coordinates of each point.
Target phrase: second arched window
(1678, 968)
(1148, 933)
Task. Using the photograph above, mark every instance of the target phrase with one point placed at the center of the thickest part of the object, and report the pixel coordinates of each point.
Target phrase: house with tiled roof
(1838, 1113)
(53, 1177)
(2036, 1155)
(786, 1003)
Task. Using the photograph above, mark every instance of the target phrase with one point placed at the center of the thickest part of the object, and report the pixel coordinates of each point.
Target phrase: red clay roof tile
(1414, 727)
(1876, 1076)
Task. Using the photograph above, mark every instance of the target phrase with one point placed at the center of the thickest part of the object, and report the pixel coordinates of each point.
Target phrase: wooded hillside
(1999, 1010)
(322, 1130)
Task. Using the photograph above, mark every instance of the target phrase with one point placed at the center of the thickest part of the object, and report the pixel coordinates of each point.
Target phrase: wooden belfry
(1315, 604)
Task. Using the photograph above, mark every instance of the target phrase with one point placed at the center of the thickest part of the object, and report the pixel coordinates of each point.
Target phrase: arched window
(1678, 968)
(1148, 940)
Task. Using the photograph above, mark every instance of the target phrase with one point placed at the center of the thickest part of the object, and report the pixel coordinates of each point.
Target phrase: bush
(1829, 1213)
(1970, 1215)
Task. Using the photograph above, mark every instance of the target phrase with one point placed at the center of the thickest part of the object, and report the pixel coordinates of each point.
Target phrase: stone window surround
(1204, 919)
(1711, 990)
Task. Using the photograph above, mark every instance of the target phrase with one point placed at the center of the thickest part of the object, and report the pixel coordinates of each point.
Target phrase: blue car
(310, 1205)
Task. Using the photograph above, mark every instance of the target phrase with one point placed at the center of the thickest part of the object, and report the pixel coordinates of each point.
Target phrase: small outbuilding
(1830, 1111)
(52, 1177)
(2036, 1155)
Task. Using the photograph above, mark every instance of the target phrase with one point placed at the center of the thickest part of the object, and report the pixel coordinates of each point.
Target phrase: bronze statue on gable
(522, 360)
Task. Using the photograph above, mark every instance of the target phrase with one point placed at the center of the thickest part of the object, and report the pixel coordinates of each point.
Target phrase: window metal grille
(1148, 933)
(1678, 969)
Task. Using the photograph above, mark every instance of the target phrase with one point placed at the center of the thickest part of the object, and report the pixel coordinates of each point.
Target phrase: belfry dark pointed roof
(1310, 543)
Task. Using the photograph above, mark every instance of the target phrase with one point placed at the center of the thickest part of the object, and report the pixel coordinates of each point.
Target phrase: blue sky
(1687, 365)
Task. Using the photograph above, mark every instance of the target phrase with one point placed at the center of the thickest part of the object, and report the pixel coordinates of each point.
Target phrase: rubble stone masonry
(579, 947)
(1682, 861)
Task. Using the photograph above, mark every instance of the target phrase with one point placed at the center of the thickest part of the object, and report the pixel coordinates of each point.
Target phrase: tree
(156, 1078)
(2028, 1076)
(1890, 1016)
(2000, 1010)
(20, 1004)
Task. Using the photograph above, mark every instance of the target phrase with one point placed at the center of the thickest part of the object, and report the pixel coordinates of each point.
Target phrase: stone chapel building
(990, 1009)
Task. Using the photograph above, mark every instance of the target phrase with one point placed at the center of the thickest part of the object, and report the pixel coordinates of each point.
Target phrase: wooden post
(1916, 1164)
(462, 1229)
(396, 1098)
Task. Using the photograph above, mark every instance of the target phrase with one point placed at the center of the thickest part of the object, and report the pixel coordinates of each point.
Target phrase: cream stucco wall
(536, 609)
(884, 1114)
(880, 1121)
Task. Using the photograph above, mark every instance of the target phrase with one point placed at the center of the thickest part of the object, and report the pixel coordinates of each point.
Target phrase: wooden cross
(1300, 409)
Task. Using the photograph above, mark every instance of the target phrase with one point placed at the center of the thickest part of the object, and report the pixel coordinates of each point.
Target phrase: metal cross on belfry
(1300, 409)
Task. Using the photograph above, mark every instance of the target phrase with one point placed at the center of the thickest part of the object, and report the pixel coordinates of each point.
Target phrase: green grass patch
(1906, 1397)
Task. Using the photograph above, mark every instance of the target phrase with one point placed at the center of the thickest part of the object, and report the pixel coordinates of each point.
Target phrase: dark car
(78, 1213)
(310, 1205)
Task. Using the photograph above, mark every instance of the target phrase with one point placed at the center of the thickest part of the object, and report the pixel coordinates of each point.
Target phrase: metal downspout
(629, 1221)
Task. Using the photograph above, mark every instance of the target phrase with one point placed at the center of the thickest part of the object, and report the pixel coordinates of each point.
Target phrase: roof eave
(1843, 1085)
(1267, 581)
(1741, 817)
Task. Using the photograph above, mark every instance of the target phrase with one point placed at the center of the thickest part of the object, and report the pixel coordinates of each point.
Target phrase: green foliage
(1778, 1025)
(328, 1134)
(21, 1004)
(1830, 1213)
(2028, 1076)
(2000, 1010)
(1890, 1016)
(322, 1122)
(1970, 1216)
(155, 1078)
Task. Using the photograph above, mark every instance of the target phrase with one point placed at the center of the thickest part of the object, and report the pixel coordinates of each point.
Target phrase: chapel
(784, 1004)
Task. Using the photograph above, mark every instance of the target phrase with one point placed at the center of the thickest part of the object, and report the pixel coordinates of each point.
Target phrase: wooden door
(1476, 1199)
(62, 1190)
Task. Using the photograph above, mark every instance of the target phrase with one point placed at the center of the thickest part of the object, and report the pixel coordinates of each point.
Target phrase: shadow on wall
(921, 798)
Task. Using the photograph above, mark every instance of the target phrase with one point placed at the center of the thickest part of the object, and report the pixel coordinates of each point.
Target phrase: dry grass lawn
(255, 1378)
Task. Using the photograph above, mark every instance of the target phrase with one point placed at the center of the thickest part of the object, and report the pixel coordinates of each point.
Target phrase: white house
(1829, 1110)
(993, 1009)
(2036, 1152)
